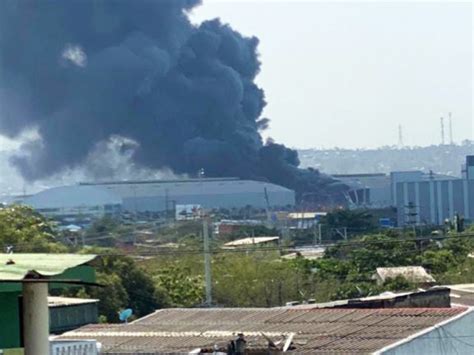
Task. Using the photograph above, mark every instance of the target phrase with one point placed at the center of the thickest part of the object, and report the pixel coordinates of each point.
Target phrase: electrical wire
(295, 248)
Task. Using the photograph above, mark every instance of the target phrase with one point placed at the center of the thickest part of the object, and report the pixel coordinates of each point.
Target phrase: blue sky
(347, 74)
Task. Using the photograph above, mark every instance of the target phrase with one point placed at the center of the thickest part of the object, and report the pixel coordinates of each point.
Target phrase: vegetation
(27, 231)
(240, 278)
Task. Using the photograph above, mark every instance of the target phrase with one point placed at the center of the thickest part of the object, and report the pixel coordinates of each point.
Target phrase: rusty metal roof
(315, 330)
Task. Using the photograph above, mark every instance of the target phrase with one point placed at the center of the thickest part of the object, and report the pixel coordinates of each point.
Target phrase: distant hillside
(443, 159)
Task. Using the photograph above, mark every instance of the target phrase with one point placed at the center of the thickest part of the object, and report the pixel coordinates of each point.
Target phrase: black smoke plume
(82, 71)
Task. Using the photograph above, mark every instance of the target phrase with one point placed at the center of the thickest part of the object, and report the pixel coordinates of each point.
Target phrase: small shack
(252, 241)
(67, 313)
(415, 274)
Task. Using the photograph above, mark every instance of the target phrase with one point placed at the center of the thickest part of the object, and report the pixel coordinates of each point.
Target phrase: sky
(347, 74)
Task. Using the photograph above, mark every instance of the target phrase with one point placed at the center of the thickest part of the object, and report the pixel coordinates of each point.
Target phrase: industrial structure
(420, 198)
(74, 202)
(91, 200)
(163, 195)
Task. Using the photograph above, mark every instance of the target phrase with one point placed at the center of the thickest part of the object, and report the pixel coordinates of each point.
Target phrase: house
(299, 331)
(305, 220)
(251, 241)
(415, 274)
(230, 226)
(309, 253)
(67, 313)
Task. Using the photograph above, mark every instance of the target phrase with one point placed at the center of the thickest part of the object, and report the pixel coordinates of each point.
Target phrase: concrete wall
(454, 337)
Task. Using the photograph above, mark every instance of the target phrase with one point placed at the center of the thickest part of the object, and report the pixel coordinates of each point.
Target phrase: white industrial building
(75, 201)
(420, 198)
(98, 199)
(162, 195)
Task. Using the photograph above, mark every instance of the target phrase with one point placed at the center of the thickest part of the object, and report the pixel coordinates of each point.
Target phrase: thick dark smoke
(83, 71)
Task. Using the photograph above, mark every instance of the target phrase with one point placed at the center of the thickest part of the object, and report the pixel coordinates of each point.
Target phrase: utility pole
(167, 215)
(320, 234)
(35, 318)
(315, 236)
(207, 262)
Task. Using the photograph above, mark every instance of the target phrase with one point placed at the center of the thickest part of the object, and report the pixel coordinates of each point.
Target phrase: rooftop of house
(15, 268)
(69, 301)
(306, 215)
(416, 274)
(251, 241)
(312, 331)
(462, 294)
(435, 297)
(306, 253)
(18, 266)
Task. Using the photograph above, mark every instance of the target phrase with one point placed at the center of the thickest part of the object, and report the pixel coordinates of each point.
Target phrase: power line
(256, 248)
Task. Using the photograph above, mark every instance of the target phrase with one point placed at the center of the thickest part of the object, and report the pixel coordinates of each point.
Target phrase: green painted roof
(46, 265)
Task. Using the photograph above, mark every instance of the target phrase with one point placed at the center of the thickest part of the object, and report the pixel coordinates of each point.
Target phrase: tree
(126, 285)
(113, 296)
(260, 279)
(27, 231)
(438, 261)
(182, 289)
(359, 221)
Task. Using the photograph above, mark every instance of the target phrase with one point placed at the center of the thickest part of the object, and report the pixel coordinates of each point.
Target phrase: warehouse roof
(20, 266)
(72, 196)
(188, 187)
(312, 330)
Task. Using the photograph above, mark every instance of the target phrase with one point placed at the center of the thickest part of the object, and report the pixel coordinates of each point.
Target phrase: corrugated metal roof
(72, 196)
(306, 215)
(251, 241)
(68, 301)
(315, 330)
(17, 266)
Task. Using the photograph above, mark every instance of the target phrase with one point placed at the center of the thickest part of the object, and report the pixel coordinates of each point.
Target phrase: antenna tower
(442, 130)
(400, 136)
(450, 130)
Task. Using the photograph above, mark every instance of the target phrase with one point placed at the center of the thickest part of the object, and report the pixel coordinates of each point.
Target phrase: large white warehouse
(161, 195)
(73, 201)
